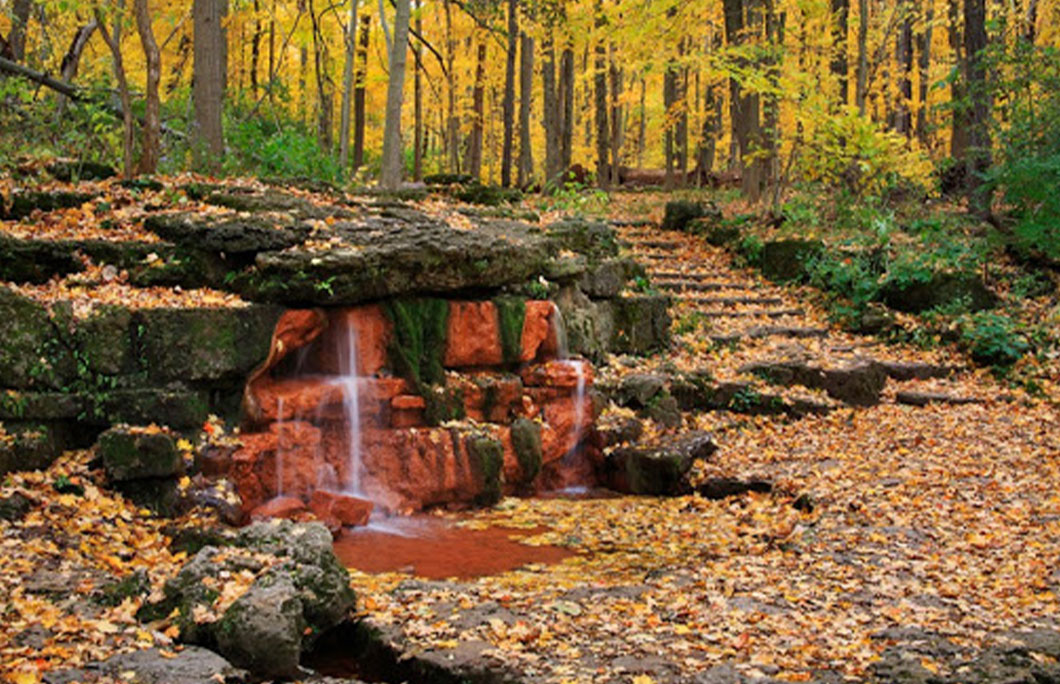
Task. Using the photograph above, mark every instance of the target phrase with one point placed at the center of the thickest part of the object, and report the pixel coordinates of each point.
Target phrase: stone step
(731, 301)
(698, 286)
(916, 370)
(680, 275)
(762, 331)
(654, 244)
(915, 398)
(858, 383)
(766, 313)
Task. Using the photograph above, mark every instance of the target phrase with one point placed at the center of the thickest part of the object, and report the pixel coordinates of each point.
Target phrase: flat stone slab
(912, 398)
(400, 251)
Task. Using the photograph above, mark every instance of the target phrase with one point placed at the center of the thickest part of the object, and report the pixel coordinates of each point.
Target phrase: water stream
(578, 366)
(349, 380)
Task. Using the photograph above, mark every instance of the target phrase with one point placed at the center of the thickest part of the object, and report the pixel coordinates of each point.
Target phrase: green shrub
(992, 338)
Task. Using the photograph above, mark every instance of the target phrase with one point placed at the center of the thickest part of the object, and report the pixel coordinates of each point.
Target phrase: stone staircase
(746, 345)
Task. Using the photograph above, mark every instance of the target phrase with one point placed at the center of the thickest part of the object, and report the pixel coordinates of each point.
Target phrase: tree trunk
(393, 158)
(526, 89)
(566, 88)
(350, 40)
(681, 128)
(325, 98)
(474, 147)
(733, 10)
(113, 40)
(903, 120)
(923, 46)
(959, 121)
(151, 141)
(360, 79)
(509, 93)
(453, 135)
(669, 98)
(600, 99)
(16, 37)
(617, 119)
(840, 14)
(208, 82)
(863, 55)
(255, 50)
(72, 60)
(417, 103)
(642, 125)
(975, 43)
(553, 163)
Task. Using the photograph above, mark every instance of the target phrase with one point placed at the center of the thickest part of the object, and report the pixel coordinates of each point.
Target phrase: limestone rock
(660, 470)
(136, 454)
(262, 630)
(783, 260)
(190, 665)
(940, 290)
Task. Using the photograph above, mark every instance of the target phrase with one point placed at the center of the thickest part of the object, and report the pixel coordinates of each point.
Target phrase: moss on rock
(511, 316)
(487, 457)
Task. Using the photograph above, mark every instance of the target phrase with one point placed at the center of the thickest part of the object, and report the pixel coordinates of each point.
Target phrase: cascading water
(279, 447)
(349, 380)
(578, 366)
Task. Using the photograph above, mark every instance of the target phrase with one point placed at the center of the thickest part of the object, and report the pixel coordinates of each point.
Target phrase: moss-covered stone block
(104, 341)
(660, 470)
(487, 458)
(943, 289)
(28, 344)
(785, 260)
(25, 203)
(174, 405)
(511, 316)
(607, 279)
(593, 239)
(641, 324)
(680, 214)
(137, 454)
(526, 442)
(35, 261)
(73, 170)
(30, 449)
(204, 345)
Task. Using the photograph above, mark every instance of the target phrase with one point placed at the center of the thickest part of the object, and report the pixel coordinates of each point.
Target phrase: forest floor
(934, 527)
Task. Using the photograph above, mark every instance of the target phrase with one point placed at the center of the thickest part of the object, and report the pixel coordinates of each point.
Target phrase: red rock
(295, 329)
(537, 331)
(280, 507)
(472, 336)
(373, 331)
(562, 430)
(340, 510)
(492, 397)
(558, 374)
(408, 401)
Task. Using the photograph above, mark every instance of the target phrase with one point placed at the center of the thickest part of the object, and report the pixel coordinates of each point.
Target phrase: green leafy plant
(992, 338)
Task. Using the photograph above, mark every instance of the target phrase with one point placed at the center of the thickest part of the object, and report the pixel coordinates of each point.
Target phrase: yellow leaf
(24, 678)
(643, 679)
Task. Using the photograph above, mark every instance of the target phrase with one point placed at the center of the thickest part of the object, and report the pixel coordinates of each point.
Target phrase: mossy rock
(660, 470)
(28, 336)
(943, 289)
(443, 405)
(641, 324)
(189, 268)
(230, 234)
(593, 239)
(174, 405)
(135, 454)
(785, 260)
(487, 459)
(204, 345)
(418, 341)
(143, 183)
(24, 203)
(67, 171)
(31, 449)
(607, 278)
(104, 341)
(681, 214)
(488, 195)
(526, 442)
(511, 317)
(35, 261)
(448, 179)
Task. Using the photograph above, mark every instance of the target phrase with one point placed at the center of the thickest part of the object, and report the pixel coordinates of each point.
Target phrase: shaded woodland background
(867, 97)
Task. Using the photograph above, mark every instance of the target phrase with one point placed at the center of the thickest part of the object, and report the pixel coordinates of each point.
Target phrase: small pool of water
(435, 548)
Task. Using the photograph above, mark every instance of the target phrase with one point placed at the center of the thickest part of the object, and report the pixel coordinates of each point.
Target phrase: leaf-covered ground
(944, 518)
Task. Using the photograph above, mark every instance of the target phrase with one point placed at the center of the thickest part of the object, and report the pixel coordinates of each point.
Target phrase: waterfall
(578, 365)
(279, 446)
(349, 381)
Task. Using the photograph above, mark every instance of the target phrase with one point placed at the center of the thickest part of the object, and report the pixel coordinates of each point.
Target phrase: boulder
(262, 630)
(35, 261)
(940, 290)
(641, 324)
(680, 214)
(73, 170)
(298, 594)
(858, 383)
(659, 470)
(136, 454)
(30, 449)
(15, 507)
(606, 279)
(784, 260)
(337, 510)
